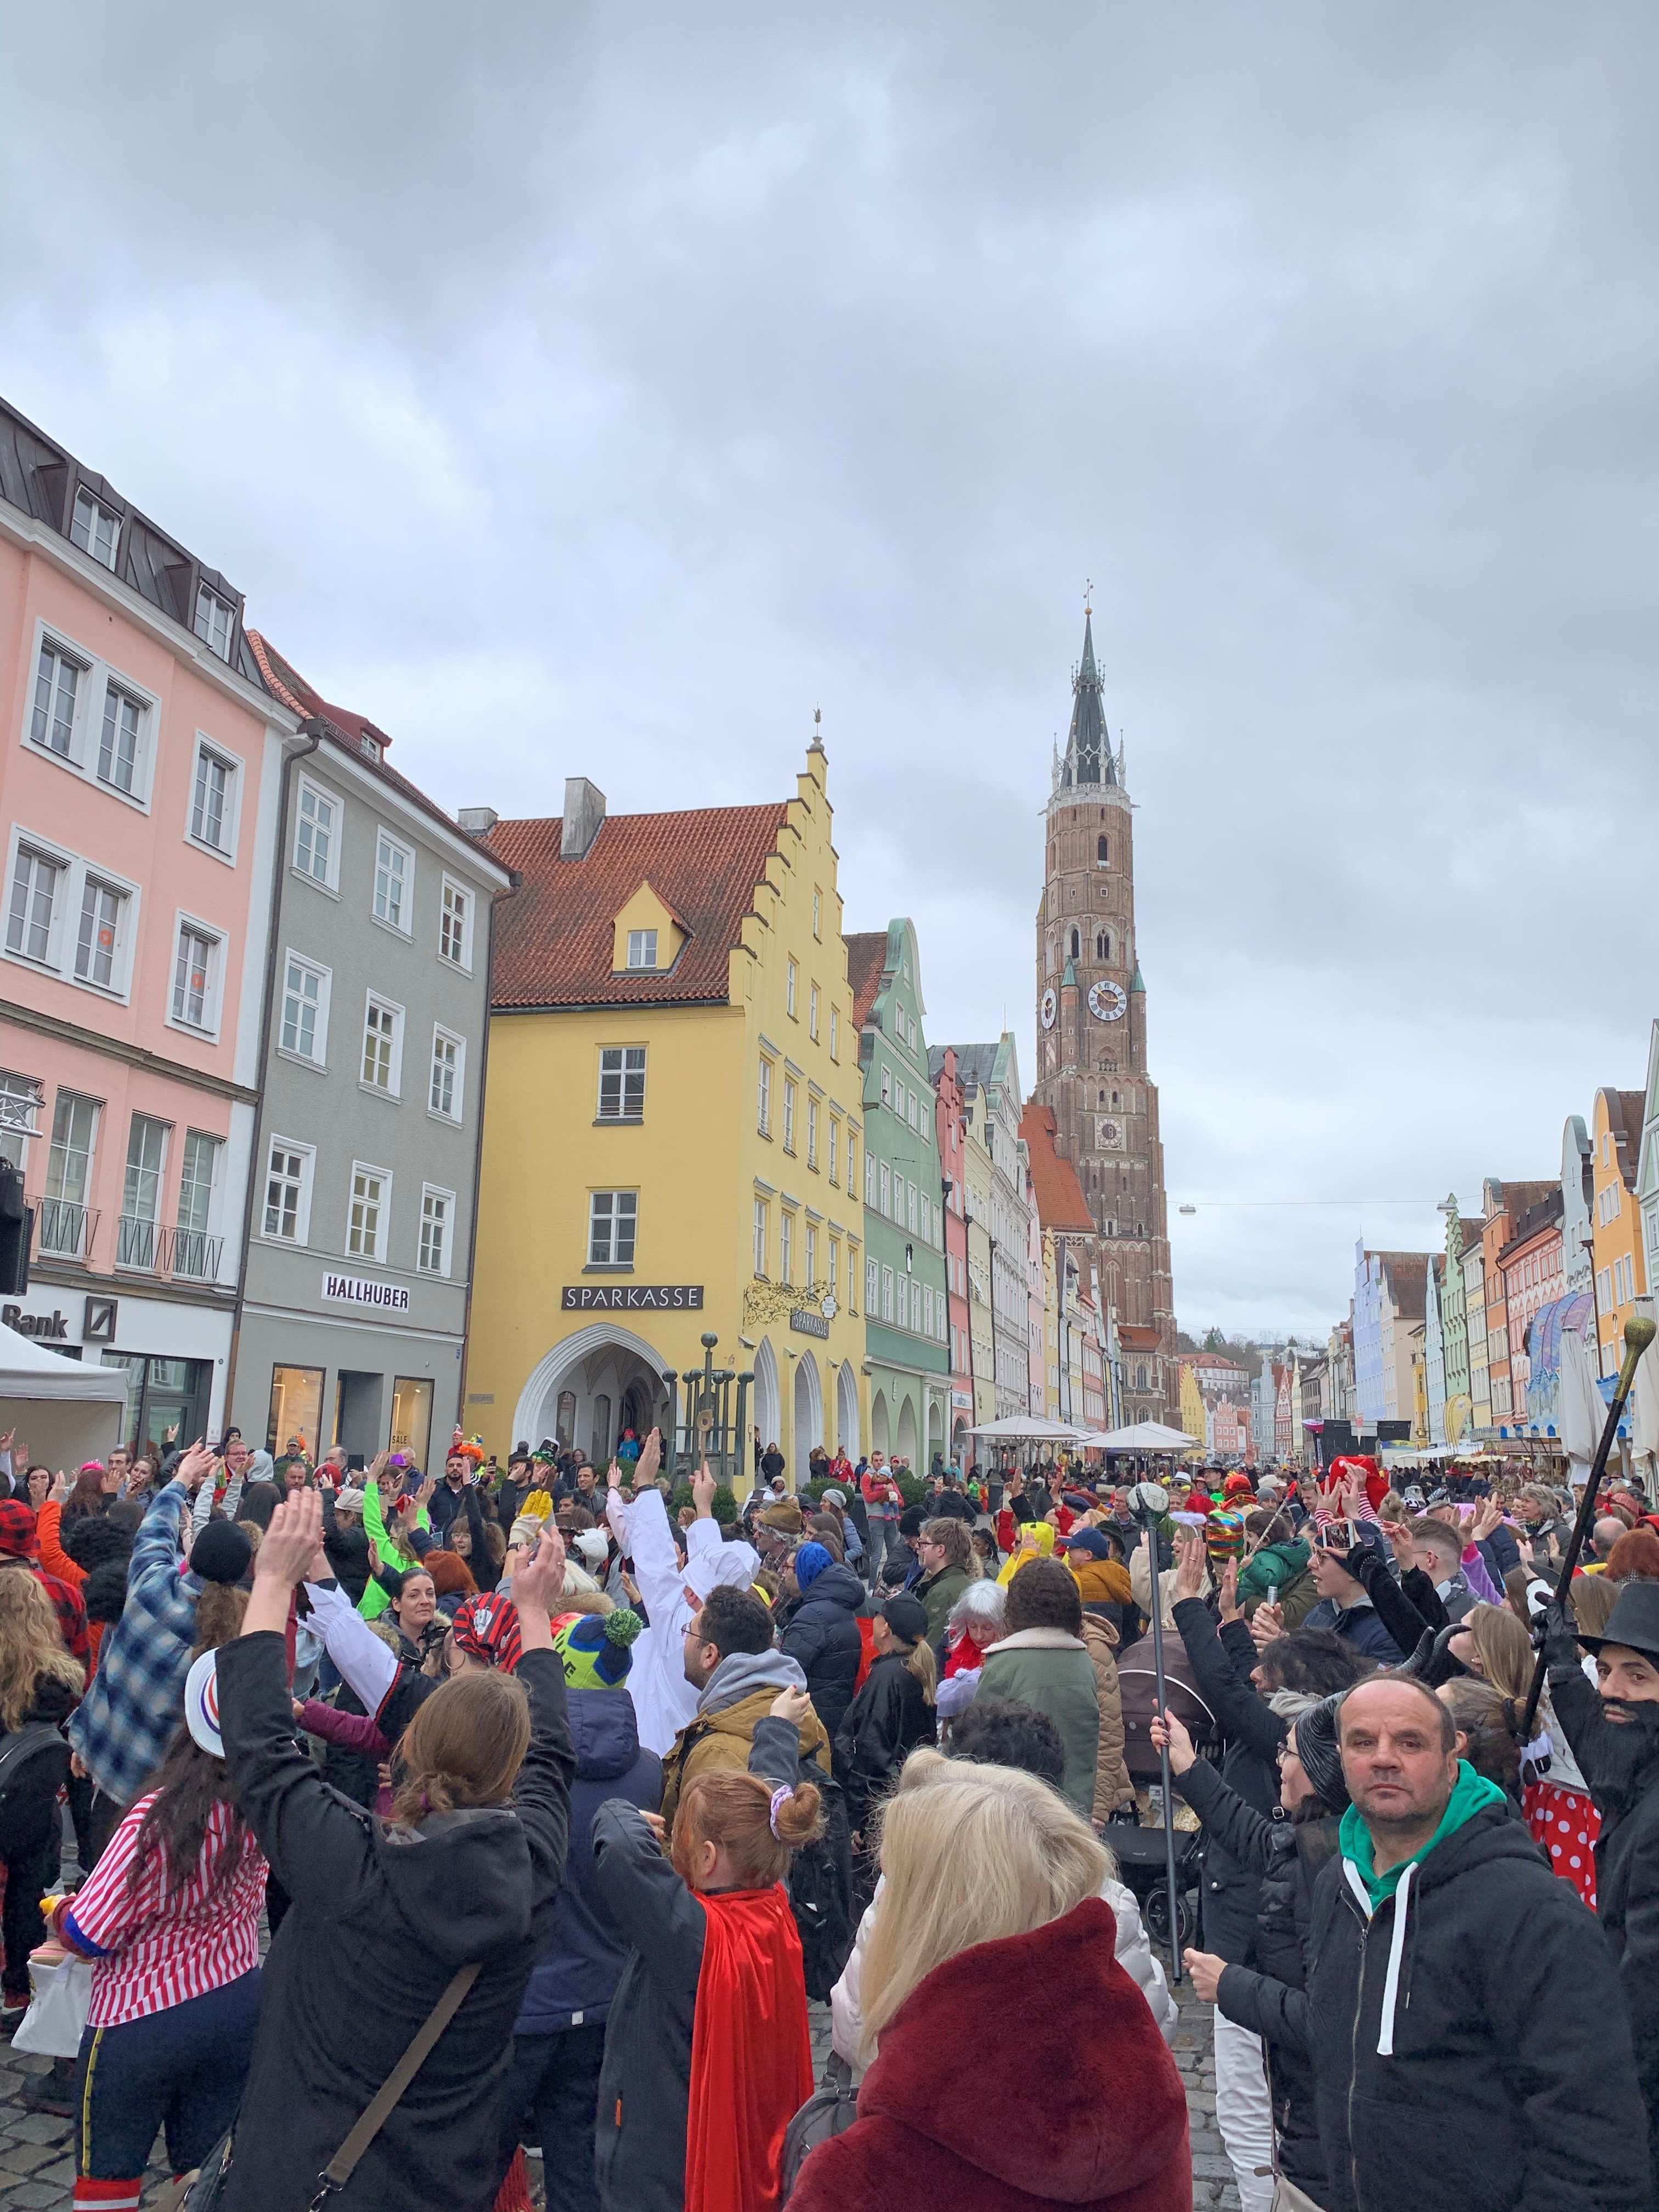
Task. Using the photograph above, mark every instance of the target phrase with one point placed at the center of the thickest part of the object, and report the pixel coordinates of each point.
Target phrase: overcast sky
(600, 391)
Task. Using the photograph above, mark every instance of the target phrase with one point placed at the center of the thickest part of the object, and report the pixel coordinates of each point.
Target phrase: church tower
(1091, 1042)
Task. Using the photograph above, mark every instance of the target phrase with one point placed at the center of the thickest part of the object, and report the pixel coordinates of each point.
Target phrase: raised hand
(1189, 1562)
(702, 1491)
(1230, 1608)
(1267, 1625)
(424, 1495)
(196, 1465)
(1165, 1729)
(291, 1543)
(539, 1579)
(62, 1485)
(791, 1705)
(650, 1459)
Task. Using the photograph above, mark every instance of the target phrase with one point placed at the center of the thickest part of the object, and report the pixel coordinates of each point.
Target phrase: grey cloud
(601, 391)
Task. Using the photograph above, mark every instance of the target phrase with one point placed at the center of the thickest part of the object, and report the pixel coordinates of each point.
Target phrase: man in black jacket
(1470, 2051)
(822, 1635)
(1615, 1740)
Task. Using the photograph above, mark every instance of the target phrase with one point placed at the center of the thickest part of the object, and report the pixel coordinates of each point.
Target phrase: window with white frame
(64, 1218)
(811, 1133)
(141, 1192)
(762, 1237)
(394, 883)
(193, 1257)
(872, 1287)
(853, 1279)
(303, 1029)
(446, 1090)
(369, 1214)
(612, 1226)
(641, 948)
(763, 1099)
(213, 801)
(58, 679)
(94, 529)
(911, 1216)
(887, 1294)
(887, 1086)
(788, 1116)
(869, 1176)
(817, 909)
(851, 1160)
(885, 1185)
(910, 1109)
(195, 977)
(834, 1149)
(812, 1013)
(437, 1218)
(119, 740)
(786, 1247)
(288, 1190)
(317, 835)
(622, 1083)
(790, 972)
(383, 1046)
(31, 913)
(927, 1310)
(216, 622)
(835, 1033)
(832, 1272)
(455, 926)
(898, 1100)
(100, 941)
(810, 1257)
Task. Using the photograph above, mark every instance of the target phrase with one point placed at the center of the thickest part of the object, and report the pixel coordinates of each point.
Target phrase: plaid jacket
(122, 1726)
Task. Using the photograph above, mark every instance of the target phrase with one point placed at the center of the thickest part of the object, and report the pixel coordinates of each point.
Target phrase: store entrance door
(167, 1399)
(357, 1411)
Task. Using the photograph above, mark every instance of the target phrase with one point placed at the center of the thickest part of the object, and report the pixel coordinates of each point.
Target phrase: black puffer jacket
(1268, 1998)
(1506, 2082)
(1626, 1858)
(884, 1724)
(1249, 1765)
(822, 1638)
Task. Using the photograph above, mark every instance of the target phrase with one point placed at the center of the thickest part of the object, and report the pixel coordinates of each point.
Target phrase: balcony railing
(64, 1230)
(152, 1249)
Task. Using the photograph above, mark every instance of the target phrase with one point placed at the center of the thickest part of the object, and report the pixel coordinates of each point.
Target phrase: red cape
(752, 2054)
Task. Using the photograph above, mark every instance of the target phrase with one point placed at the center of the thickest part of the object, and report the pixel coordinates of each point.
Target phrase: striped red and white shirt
(152, 1951)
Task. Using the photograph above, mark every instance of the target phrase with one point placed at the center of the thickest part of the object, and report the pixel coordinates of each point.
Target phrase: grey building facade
(352, 1318)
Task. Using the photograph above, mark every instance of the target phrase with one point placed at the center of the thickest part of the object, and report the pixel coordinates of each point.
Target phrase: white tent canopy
(1029, 1427)
(64, 1413)
(1144, 1437)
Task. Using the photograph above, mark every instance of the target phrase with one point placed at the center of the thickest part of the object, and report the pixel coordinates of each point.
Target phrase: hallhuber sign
(359, 1290)
(632, 1298)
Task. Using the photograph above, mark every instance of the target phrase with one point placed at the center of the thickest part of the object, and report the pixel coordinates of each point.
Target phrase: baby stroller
(1139, 1847)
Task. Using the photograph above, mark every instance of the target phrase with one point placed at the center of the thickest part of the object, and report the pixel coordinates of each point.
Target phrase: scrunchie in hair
(779, 1798)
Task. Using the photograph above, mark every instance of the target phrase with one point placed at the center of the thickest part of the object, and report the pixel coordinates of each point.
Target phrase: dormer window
(641, 948)
(368, 748)
(94, 529)
(215, 622)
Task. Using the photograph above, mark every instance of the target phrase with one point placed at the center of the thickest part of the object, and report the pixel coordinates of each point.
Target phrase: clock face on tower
(1049, 1004)
(1107, 1001)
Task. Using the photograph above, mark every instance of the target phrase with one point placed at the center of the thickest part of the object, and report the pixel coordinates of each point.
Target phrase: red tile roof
(1060, 1203)
(867, 963)
(554, 941)
(1133, 1337)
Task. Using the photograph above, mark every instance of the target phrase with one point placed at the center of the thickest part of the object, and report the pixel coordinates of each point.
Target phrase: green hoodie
(1274, 1566)
(1471, 1794)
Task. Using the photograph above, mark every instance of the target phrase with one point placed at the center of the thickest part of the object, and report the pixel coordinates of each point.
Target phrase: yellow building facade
(672, 1139)
(1616, 1219)
(1192, 1404)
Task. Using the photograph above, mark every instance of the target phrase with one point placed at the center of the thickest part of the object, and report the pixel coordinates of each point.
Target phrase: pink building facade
(142, 757)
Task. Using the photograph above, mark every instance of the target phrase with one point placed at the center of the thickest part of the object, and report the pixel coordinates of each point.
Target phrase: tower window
(1103, 944)
(1103, 852)
(1077, 944)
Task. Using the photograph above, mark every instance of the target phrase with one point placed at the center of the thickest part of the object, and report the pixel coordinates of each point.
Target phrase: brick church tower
(1091, 1042)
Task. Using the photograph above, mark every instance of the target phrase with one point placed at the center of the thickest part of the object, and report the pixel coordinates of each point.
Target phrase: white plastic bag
(56, 2015)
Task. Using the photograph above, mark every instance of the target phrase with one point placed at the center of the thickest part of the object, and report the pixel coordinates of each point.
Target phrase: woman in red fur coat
(992, 1912)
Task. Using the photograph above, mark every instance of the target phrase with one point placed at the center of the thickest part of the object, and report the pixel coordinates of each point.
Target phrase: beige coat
(1113, 1787)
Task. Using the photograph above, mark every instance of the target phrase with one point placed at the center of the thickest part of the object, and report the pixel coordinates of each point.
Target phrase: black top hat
(1633, 1622)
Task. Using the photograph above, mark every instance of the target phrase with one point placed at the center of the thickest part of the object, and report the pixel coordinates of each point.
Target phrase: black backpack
(34, 1764)
(820, 1890)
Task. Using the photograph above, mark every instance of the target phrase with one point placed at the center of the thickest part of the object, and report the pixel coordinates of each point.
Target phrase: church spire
(1088, 758)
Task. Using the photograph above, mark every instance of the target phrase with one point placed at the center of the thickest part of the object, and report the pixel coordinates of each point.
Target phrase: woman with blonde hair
(40, 1687)
(990, 1910)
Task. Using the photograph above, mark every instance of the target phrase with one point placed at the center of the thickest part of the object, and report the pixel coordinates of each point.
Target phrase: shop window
(411, 1417)
(296, 1418)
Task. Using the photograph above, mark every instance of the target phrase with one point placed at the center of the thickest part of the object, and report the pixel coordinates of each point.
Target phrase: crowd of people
(424, 1819)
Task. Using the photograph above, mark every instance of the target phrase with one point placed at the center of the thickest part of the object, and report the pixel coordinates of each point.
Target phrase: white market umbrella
(1580, 1413)
(1144, 1436)
(1028, 1428)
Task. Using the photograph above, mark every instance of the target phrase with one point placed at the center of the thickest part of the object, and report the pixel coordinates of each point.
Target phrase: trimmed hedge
(726, 1505)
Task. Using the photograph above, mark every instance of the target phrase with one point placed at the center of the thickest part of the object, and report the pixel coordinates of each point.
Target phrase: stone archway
(578, 1386)
(906, 1446)
(935, 1432)
(769, 1416)
(809, 1418)
(847, 1411)
(879, 1437)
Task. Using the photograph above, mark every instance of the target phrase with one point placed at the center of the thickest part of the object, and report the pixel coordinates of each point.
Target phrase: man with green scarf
(1470, 2047)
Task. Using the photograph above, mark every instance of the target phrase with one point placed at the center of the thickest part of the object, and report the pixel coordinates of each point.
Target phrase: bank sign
(632, 1298)
(359, 1290)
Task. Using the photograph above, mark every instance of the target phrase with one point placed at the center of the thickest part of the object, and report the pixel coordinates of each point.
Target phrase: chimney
(584, 811)
(477, 821)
